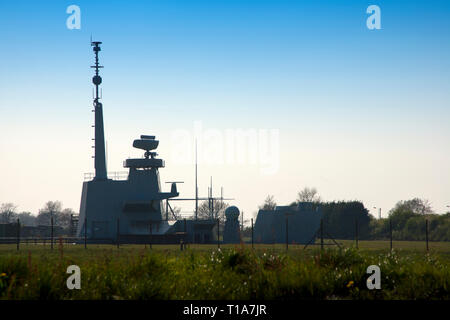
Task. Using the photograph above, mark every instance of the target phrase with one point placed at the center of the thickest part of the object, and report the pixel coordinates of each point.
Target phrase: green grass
(234, 272)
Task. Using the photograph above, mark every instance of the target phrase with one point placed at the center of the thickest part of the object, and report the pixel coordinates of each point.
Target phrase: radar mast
(100, 158)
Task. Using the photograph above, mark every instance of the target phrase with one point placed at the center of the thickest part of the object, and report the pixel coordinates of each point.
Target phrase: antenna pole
(196, 186)
(100, 157)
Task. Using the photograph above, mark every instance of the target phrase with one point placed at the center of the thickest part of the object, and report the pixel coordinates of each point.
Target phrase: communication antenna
(196, 185)
(97, 80)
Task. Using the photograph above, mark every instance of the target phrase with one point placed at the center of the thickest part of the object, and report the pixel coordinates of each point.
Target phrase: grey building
(303, 222)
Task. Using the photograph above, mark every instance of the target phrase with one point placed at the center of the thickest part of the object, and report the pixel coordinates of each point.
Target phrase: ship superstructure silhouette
(131, 208)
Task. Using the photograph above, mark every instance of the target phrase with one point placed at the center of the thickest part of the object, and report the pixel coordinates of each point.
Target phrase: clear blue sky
(362, 114)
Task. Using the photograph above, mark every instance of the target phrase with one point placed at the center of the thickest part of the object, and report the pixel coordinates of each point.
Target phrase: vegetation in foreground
(229, 273)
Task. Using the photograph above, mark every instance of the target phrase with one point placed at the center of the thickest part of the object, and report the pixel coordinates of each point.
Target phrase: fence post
(356, 232)
(218, 234)
(151, 228)
(252, 233)
(51, 237)
(390, 231)
(185, 234)
(426, 232)
(85, 232)
(287, 234)
(71, 225)
(18, 234)
(118, 230)
(321, 234)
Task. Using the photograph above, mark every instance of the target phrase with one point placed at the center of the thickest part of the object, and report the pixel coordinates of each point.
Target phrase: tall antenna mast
(100, 158)
(196, 186)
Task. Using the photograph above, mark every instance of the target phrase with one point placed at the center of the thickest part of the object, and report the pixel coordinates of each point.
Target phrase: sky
(280, 95)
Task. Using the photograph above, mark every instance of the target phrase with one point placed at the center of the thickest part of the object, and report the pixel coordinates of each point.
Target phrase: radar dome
(97, 80)
(232, 212)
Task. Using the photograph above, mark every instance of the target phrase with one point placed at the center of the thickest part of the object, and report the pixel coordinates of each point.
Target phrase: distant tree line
(61, 216)
(408, 219)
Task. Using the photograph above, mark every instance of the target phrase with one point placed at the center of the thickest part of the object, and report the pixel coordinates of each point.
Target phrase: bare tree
(7, 212)
(269, 204)
(51, 209)
(63, 218)
(214, 211)
(308, 195)
(175, 212)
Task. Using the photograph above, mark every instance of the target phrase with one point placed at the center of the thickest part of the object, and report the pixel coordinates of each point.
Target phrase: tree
(408, 222)
(308, 195)
(217, 212)
(27, 219)
(51, 209)
(7, 212)
(415, 206)
(269, 204)
(174, 213)
(340, 218)
(405, 210)
(63, 218)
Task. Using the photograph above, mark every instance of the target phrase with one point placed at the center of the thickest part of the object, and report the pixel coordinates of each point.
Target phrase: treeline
(407, 218)
(340, 220)
(61, 216)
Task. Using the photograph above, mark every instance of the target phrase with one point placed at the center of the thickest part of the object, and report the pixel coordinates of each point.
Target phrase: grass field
(233, 272)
